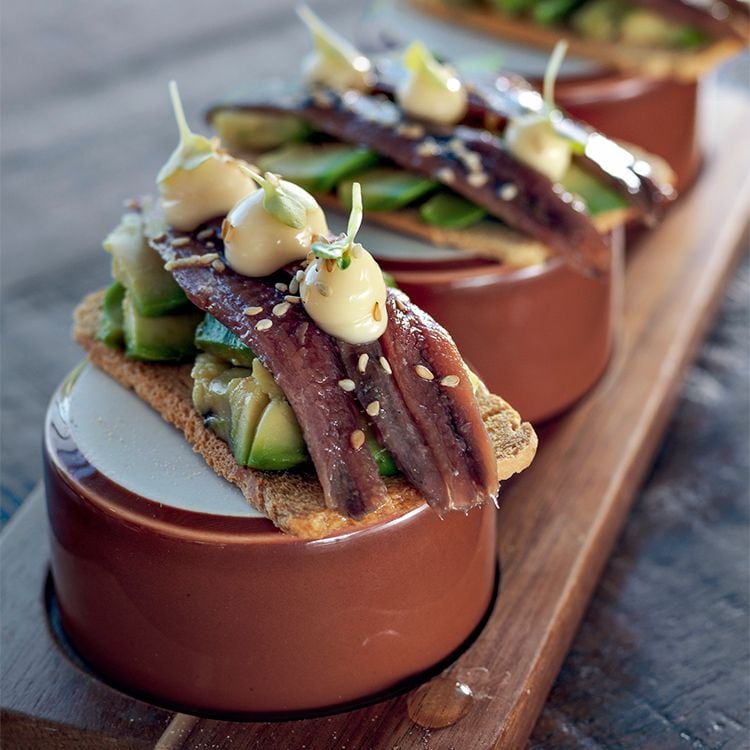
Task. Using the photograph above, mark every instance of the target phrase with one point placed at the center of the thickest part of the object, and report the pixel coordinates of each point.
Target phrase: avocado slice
(140, 270)
(111, 327)
(246, 404)
(450, 211)
(278, 442)
(168, 338)
(598, 197)
(257, 130)
(385, 188)
(318, 167)
(386, 465)
(214, 337)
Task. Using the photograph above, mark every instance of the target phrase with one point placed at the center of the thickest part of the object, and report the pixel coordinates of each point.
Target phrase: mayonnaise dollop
(430, 91)
(532, 138)
(334, 62)
(271, 227)
(343, 289)
(200, 180)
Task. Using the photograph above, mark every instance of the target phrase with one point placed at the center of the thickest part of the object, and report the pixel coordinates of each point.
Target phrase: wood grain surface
(662, 657)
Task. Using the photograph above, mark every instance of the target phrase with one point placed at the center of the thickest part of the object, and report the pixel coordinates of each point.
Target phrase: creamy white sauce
(347, 303)
(191, 196)
(533, 140)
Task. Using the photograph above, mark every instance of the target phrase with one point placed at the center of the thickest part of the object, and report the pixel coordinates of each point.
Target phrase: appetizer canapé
(308, 361)
(678, 38)
(494, 169)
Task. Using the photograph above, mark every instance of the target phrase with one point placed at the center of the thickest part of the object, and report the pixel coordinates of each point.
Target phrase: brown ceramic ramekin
(659, 115)
(540, 336)
(225, 614)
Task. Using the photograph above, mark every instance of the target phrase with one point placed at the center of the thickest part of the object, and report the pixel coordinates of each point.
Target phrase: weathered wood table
(661, 659)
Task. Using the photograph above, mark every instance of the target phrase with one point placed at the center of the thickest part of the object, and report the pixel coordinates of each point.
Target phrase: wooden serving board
(557, 524)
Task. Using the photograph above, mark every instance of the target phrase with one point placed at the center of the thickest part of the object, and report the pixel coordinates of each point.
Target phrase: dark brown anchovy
(394, 422)
(718, 18)
(511, 97)
(534, 204)
(421, 354)
(304, 361)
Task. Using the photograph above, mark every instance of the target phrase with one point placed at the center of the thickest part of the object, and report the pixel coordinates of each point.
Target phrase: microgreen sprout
(278, 200)
(329, 44)
(340, 249)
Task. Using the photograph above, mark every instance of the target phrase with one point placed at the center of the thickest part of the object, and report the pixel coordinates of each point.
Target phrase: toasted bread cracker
(293, 501)
(657, 63)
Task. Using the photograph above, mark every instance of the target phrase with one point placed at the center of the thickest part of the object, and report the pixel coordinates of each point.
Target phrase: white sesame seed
(423, 372)
(400, 305)
(386, 365)
(263, 325)
(292, 299)
(329, 265)
(410, 130)
(324, 290)
(472, 160)
(376, 314)
(281, 287)
(446, 174)
(294, 285)
(450, 381)
(347, 385)
(477, 179)
(299, 276)
(280, 309)
(180, 241)
(205, 234)
(252, 310)
(508, 191)
(357, 439)
(364, 358)
(373, 408)
(428, 147)
(210, 245)
(218, 265)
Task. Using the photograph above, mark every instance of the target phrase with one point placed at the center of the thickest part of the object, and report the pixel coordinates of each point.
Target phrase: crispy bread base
(293, 501)
(685, 66)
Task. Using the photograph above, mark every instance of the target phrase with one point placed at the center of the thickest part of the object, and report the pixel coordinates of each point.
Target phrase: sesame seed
(281, 287)
(428, 147)
(477, 179)
(357, 439)
(292, 299)
(205, 234)
(225, 227)
(472, 161)
(362, 362)
(386, 365)
(263, 325)
(160, 237)
(446, 174)
(294, 285)
(218, 265)
(329, 265)
(376, 314)
(252, 310)
(400, 305)
(423, 372)
(299, 275)
(347, 385)
(373, 408)
(180, 241)
(508, 191)
(280, 309)
(324, 290)
(410, 130)
(191, 261)
(450, 381)
(210, 246)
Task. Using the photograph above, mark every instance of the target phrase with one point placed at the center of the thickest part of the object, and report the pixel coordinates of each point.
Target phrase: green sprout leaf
(340, 249)
(278, 201)
(327, 42)
(192, 150)
(420, 61)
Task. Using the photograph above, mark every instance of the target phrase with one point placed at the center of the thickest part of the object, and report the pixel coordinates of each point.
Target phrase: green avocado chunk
(598, 197)
(257, 130)
(385, 188)
(111, 327)
(317, 167)
(214, 337)
(278, 442)
(247, 403)
(450, 211)
(140, 270)
(386, 465)
(168, 338)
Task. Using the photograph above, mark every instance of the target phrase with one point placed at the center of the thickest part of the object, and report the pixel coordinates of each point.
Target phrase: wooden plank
(557, 524)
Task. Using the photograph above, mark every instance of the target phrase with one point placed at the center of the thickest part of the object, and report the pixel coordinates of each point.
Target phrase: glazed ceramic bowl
(172, 588)
(540, 337)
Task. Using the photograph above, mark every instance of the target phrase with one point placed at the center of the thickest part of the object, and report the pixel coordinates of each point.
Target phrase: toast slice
(293, 501)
